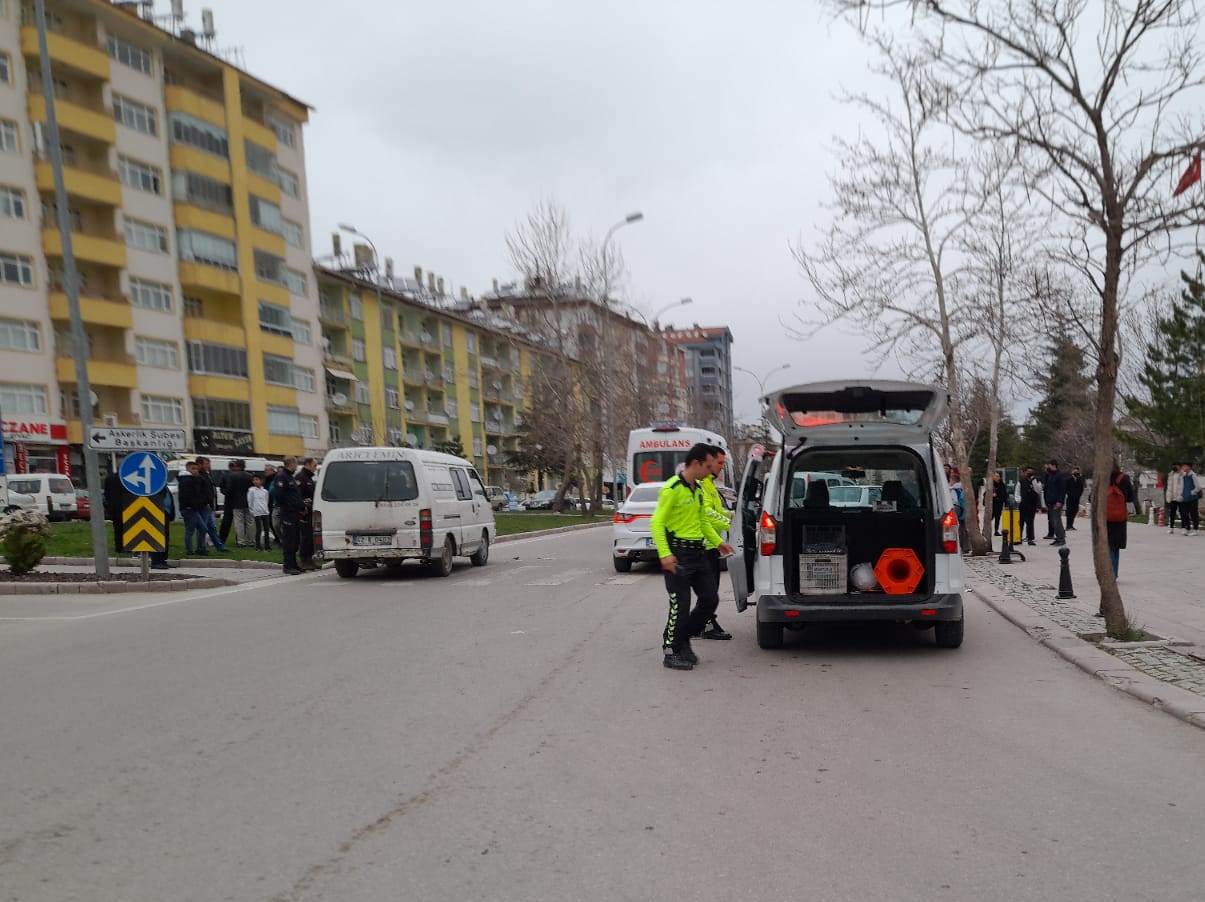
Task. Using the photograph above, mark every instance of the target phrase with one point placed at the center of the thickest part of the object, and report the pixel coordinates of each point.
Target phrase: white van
(892, 554)
(53, 492)
(387, 505)
(218, 467)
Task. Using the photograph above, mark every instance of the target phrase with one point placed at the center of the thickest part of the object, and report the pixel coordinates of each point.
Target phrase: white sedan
(631, 537)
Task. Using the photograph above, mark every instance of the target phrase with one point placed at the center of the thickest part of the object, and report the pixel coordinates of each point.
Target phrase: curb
(190, 562)
(113, 587)
(538, 533)
(1187, 706)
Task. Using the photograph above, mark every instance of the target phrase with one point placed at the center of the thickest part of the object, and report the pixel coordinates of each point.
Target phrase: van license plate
(372, 540)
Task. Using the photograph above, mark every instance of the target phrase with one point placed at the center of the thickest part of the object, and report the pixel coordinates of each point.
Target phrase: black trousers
(694, 573)
(160, 557)
(1190, 514)
(227, 522)
(263, 532)
(1173, 508)
(1028, 515)
(713, 557)
(306, 539)
(1072, 513)
(289, 534)
(997, 512)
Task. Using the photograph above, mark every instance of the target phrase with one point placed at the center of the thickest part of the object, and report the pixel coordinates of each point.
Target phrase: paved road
(509, 734)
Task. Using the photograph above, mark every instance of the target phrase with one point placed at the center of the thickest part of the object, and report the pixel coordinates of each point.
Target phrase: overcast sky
(437, 125)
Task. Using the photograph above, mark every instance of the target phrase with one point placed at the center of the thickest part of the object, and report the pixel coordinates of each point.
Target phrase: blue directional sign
(143, 473)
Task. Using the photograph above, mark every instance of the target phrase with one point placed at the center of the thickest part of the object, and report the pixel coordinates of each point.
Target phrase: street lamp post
(376, 260)
(762, 380)
(609, 410)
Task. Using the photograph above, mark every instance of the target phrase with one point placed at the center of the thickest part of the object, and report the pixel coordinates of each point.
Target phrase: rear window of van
(369, 480)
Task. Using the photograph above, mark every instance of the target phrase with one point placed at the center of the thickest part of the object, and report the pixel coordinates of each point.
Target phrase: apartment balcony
(95, 311)
(427, 340)
(92, 123)
(88, 248)
(410, 339)
(437, 419)
(346, 408)
(191, 216)
(120, 373)
(215, 331)
(434, 381)
(67, 53)
(491, 363)
(414, 378)
(101, 187)
(211, 278)
(259, 133)
(332, 316)
(341, 362)
(192, 159)
(203, 106)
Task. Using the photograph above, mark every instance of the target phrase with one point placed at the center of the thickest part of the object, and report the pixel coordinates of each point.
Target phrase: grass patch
(510, 524)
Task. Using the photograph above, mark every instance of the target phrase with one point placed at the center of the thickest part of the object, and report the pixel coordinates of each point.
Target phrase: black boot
(715, 631)
(686, 653)
(675, 661)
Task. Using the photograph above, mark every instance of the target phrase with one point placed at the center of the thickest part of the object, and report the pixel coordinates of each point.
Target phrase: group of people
(1183, 496)
(687, 528)
(273, 508)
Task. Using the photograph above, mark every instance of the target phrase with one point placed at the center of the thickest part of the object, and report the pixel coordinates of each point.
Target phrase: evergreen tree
(1008, 446)
(1173, 416)
(1060, 424)
(450, 446)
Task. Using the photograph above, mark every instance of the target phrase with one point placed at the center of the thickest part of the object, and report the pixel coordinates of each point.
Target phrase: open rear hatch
(880, 411)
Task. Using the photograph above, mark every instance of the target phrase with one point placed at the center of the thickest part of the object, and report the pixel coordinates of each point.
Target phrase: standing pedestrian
(1054, 495)
(257, 504)
(1190, 499)
(115, 497)
(721, 521)
(235, 484)
(209, 502)
(1075, 491)
(1175, 485)
(681, 534)
(1119, 495)
(273, 516)
(999, 496)
(191, 500)
(288, 502)
(305, 481)
(954, 479)
(1029, 499)
(168, 506)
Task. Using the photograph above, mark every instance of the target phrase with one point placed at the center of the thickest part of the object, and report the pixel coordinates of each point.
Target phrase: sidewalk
(1162, 578)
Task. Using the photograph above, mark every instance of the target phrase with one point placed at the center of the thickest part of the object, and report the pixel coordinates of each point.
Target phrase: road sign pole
(83, 390)
(146, 565)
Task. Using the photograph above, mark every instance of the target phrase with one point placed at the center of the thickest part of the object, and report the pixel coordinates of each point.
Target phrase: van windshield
(62, 486)
(369, 480)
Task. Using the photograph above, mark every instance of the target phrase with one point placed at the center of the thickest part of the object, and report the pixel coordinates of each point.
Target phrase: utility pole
(608, 409)
(83, 390)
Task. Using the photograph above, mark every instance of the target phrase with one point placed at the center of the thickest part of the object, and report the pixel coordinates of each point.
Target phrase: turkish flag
(1191, 176)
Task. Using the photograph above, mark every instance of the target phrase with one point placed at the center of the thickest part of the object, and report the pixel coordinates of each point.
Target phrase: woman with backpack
(1118, 497)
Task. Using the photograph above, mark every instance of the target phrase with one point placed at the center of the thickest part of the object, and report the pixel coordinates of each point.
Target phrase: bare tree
(1098, 97)
(889, 264)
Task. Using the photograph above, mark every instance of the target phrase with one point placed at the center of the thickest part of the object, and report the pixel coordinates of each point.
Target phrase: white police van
(894, 555)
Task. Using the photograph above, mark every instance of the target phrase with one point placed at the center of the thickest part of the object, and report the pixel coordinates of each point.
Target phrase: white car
(854, 495)
(631, 536)
(809, 559)
(53, 493)
(21, 501)
(388, 505)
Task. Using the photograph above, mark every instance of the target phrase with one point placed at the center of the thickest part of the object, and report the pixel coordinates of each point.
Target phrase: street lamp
(609, 418)
(668, 307)
(376, 259)
(762, 380)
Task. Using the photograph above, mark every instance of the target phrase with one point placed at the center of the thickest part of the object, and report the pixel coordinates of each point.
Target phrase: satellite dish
(339, 398)
(412, 438)
(94, 398)
(492, 449)
(410, 405)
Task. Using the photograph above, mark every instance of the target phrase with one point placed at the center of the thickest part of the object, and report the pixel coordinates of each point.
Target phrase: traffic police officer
(682, 535)
(715, 511)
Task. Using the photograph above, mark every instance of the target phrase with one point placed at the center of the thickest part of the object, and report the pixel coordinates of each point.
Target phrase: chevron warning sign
(144, 526)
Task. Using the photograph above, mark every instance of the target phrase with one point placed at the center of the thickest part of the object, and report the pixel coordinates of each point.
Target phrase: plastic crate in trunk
(823, 561)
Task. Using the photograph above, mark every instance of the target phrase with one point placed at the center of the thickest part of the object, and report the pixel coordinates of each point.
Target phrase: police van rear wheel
(346, 569)
(622, 564)
(948, 633)
(769, 635)
(481, 556)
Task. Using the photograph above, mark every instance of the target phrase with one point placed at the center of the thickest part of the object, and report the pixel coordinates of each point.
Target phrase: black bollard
(1065, 590)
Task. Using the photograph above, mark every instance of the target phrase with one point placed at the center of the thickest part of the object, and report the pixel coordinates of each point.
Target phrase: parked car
(796, 555)
(83, 504)
(631, 535)
(541, 501)
(854, 495)
(388, 505)
(497, 497)
(53, 493)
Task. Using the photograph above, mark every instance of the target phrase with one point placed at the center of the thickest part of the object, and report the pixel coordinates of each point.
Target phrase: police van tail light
(949, 533)
(317, 520)
(426, 534)
(767, 535)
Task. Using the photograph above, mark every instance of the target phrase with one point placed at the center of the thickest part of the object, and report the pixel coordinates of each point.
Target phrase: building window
(6, 68)
(470, 341)
(130, 55)
(363, 395)
(269, 268)
(303, 379)
(390, 359)
(194, 307)
(19, 335)
(261, 161)
(296, 281)
(476, 447)
(303, 332)
(278, 370)
(217, 360)
(357, 308)
(156, 353)
(288, 182)
(357, 350)
(294, 234)
(221, 414)
(202, 191)
(392, 399)
(50, 217)
(309, 426)
(8, 136)
(16, 269)
(12, 202)
(199, 134)
(17, 399)
(266, 215)
(445, 332)
(151, 295)
(275, 319)
(157, 409)
(146, 236)
(140, 175)
(135, 115)
(284, 421)
(475, 413)
(201, 247)
(286, 132)
(386, 319)
(54, 22)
